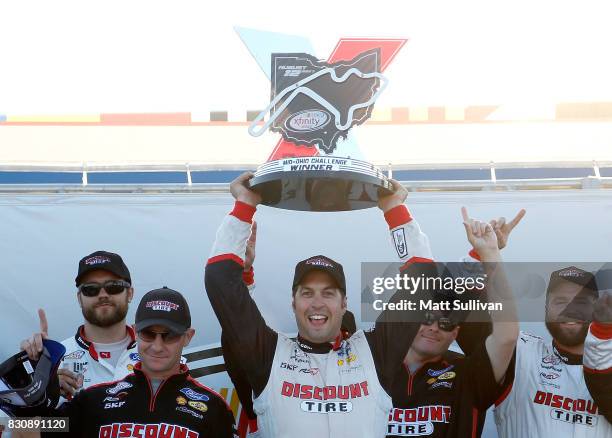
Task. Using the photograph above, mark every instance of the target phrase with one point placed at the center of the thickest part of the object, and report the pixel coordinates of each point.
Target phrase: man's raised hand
(397, 197)
(503, 229)
(34, 345)
(603, 309)
(480, 235)
(240, 191)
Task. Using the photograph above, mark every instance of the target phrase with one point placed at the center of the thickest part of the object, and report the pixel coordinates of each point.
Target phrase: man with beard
(549, 396)
(104, 347)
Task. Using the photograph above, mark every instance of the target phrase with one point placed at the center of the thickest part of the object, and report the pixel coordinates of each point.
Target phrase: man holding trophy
(318, 384)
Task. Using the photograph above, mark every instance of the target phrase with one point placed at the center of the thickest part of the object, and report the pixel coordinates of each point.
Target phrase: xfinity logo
(308, 120)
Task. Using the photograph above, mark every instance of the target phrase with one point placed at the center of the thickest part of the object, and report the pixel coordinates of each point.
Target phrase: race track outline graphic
(300, 88)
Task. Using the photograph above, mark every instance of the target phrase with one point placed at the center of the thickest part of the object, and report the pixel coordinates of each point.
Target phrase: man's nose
(158, 343)
(434, 327)
(317, 301)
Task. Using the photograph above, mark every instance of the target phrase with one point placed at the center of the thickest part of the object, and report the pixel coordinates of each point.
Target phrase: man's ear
(293, 303)
(188, 336)
(130, 294)
(456, 332)
(344, 303)
(78, 294)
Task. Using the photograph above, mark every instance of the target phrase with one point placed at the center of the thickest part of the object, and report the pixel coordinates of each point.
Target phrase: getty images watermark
(472, 291)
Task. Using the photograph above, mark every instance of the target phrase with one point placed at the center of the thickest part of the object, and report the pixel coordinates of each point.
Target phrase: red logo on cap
(166, 306)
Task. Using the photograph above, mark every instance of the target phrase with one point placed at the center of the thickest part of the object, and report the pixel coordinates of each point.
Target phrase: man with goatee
(104, 347)
(549, 396)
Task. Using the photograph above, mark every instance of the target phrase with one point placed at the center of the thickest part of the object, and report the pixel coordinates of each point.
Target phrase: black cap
(105, 261)
(165, 307)
(348, 322)
(320, 263)
(574, 275)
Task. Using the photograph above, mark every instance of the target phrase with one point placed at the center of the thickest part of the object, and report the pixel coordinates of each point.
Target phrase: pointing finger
(464, 214)
(514, 222)
(44, 325)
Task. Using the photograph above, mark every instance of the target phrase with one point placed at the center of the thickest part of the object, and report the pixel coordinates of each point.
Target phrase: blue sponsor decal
(134, 356)
(434, 373)
(191, 394)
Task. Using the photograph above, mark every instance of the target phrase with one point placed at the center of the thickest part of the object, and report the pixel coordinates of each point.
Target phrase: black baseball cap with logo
(319, 263)
(105, 261)
(578, 308)
(164, 307)
(575, 275)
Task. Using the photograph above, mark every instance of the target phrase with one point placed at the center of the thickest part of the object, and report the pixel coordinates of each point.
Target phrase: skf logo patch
(166, 306)
(158, 430)
(113, 405)
(97, 260)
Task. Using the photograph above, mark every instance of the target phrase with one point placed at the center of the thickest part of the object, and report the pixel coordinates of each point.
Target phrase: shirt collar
(567, 357)
(86, 344)
(181, 375)
(322, 347)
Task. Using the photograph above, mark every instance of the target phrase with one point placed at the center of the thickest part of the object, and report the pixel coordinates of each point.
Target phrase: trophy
(313, 105)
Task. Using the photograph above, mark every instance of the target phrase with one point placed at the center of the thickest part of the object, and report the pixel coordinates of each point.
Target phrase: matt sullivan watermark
(473, 291)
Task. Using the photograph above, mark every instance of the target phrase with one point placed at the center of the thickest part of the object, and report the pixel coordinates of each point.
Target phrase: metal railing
(594, 181)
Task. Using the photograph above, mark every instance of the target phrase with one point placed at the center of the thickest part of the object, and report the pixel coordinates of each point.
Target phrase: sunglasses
(167, 337)
(444, 323)
(112, 287)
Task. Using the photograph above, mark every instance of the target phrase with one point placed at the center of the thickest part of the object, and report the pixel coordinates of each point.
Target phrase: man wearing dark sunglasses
(440, 393)
(104, 347)
(159, 398)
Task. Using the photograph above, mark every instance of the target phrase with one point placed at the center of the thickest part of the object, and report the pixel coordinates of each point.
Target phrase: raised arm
(597, 359)
(501, 342)
(252, 341)
(478, 326)
(391, 339)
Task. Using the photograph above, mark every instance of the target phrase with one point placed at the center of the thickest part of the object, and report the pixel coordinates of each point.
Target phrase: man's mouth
(317, 319)
(105, 305)
(570, 323)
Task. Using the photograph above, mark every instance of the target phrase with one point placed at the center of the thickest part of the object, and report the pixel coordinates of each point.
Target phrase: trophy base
(320, 184)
